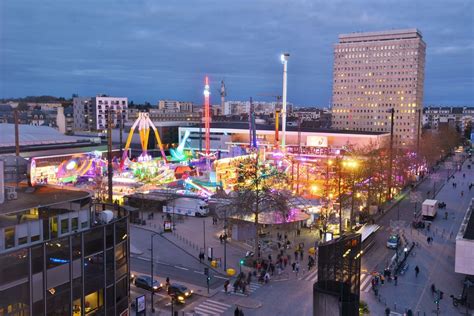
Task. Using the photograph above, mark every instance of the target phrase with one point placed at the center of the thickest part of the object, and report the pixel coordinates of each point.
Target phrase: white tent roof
(34, 135)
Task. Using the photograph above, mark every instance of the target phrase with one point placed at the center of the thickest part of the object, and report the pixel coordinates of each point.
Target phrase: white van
(187, 206)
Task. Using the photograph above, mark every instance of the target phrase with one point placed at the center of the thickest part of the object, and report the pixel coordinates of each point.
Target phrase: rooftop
(39, 196)
(270, 127)
(378, 36)
(35, 135)
(469, 231)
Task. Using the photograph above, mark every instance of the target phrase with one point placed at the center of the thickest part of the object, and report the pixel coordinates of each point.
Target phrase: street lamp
(151, 272)
(284, 60)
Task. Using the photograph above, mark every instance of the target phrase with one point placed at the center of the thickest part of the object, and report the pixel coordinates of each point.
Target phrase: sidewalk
(435, 260)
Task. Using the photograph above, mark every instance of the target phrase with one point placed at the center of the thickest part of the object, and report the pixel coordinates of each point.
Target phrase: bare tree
(260, 189)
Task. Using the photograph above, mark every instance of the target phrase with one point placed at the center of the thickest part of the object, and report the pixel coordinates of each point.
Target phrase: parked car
(144, 282)
(179, 292)
(393, 241)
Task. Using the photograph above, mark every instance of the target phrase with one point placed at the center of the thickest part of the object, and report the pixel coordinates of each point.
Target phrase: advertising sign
(141, 305)
(317, 141)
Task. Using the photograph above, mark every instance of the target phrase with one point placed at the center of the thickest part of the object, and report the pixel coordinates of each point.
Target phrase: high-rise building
(90, 114)
(375, 72)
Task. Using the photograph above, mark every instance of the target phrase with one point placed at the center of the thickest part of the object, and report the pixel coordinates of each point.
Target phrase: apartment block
(375, 72)
(175, 106)
(90, 113)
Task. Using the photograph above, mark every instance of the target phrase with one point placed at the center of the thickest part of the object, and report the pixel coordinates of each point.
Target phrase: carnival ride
(84, 165)
(144, 125)
(178, 154)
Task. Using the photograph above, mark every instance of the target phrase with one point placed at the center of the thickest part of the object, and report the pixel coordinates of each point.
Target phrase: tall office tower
(375, 72)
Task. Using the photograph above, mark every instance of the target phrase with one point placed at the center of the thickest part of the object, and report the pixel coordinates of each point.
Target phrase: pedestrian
(298, 232)
(464, 175)
(270, 257)
(285, 261)
(446, 215)
(221, 238)
(296, 255)
(279, 245)
(417, 270)
(387, 311)
(266, 278)
(382, 279)
(293, 265)
(395, 279)
(301, 255)
(244, 287)
(286, 236)
(226, 286)
(462, 193)
(237, 311)
(167, 284)
(297, 268)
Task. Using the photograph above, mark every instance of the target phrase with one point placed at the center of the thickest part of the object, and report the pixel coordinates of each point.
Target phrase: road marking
(200, 272)
(311, 276)
(182, 268)
(366, 279)
(210, 307)
(219, 277)
(250, 288)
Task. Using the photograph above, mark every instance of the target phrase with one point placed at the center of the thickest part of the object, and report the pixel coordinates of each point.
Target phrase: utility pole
(121, 132)
(299, 156)
(284, 60)
(392, 112)
(204, 235)
(110, 169)
(418, 142)
(225, 239)
(152, 273)
(17, 146)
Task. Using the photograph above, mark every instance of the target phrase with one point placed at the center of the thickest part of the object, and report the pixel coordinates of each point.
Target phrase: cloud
(151, 50)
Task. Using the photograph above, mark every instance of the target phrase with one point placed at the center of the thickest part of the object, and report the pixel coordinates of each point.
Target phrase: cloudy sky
(150, 50)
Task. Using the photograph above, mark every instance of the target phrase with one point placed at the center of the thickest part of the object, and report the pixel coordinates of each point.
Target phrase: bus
(368, 232)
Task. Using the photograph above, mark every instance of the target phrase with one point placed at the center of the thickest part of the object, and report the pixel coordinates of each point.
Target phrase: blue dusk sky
(149, 50)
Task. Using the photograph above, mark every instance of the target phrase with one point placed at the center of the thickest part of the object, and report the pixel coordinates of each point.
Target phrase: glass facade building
(75, 263)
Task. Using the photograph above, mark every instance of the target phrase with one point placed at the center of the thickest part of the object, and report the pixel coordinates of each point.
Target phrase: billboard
(317, 141)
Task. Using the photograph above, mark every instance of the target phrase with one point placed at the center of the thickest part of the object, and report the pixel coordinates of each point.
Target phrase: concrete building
(60, 254)
(225, 136)
(90, 114)
(464, 260)
(65, 120)
(175, 106)
(375, 72)
(459, 116)
(260, 107)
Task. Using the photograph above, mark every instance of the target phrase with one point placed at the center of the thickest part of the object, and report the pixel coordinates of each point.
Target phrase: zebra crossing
(365, 278)
(209, 307)
(252, 287)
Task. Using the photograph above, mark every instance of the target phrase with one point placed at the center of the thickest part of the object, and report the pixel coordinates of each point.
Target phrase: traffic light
(241, 262)
(441, 295)
(208, 279)
(206, 271)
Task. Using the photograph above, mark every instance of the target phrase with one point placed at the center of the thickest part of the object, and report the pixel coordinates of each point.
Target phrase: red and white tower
(207, 117)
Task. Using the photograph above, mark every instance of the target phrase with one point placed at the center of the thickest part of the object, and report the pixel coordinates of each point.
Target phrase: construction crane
(223, 94)
(277, 116)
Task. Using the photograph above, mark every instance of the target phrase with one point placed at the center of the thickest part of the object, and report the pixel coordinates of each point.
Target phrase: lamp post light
(284, 60)
(152, 272)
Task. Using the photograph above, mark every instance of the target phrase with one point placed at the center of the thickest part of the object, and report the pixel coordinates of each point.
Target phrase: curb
(161, 234)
